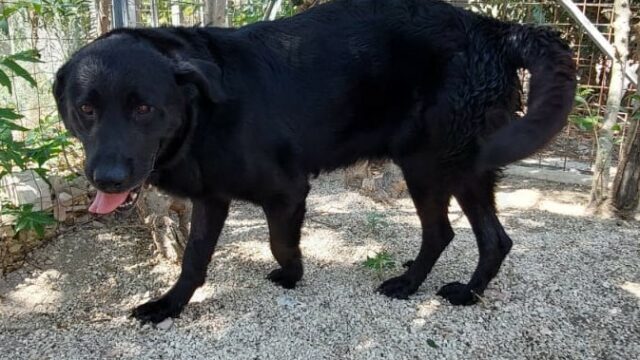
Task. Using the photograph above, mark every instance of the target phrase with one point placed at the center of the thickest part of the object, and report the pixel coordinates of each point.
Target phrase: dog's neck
(172, 150)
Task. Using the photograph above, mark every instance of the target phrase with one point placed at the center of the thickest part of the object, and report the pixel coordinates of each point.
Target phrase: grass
(380, 262)
(376, 222)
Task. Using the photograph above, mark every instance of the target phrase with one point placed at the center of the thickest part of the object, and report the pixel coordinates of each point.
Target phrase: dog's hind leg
(207, 220)
(285, 215)
(430, 196)
(478, 203)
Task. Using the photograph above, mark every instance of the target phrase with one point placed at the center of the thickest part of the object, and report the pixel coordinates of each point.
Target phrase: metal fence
(59, 27)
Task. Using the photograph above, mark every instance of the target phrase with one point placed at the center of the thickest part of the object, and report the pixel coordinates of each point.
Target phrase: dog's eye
(143, 109)
(87, 109)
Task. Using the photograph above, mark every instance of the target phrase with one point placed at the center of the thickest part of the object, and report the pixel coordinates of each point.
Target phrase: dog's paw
(398, 287)
(286, 278)
(156, 311)
(458, 294)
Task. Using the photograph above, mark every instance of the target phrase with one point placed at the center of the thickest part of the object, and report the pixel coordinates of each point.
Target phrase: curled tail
(551, 95)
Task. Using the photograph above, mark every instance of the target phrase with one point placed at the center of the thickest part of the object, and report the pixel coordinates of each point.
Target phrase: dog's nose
(111, 178)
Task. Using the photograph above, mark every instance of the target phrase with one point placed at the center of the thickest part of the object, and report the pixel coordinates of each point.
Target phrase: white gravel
(569, 289)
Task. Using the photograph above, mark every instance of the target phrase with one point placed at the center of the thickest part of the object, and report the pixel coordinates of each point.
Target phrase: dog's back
(356, 79)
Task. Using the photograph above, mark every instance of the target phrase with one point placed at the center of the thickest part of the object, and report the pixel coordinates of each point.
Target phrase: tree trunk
(625, 195)
(215, 13)
(604, 138)
(168, 219)
(104, 16)
(302, 5)
(101, 17)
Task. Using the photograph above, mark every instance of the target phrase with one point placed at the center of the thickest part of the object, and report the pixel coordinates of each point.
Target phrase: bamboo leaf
(8, 125)
(7, 113)
(19, 71)
(29, 55)
(5, 81)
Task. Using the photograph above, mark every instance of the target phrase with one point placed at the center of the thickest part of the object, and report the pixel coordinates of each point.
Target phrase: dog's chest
(181, 180)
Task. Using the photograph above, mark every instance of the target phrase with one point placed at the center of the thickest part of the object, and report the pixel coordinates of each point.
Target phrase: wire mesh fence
(57, 28)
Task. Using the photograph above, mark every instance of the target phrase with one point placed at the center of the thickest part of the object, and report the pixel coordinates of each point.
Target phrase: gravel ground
(569, 289)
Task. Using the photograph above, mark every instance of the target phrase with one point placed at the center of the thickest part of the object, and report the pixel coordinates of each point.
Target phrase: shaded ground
(569, 289)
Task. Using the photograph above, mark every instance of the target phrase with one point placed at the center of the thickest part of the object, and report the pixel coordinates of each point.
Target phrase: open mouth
(131, 200)
(105, 203)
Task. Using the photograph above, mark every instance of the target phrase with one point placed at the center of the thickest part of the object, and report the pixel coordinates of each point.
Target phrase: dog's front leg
(207, 220)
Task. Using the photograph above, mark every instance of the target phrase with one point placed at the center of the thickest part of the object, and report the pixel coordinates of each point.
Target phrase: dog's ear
(206, 76)
(59, 89)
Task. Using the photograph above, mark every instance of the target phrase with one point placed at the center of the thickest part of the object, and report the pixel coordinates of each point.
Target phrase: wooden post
(176, 18)
(123, 13)
(154, 13)
(272, 10)
(132, 19)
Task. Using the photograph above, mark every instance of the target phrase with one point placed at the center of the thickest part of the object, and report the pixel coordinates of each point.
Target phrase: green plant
(583, 116)
(25, 218)
(252, 11)
(380, 261)
(21, 148)
(376, 222)
(12, 151)
(40, 145)
(247, 12)
(9, 66)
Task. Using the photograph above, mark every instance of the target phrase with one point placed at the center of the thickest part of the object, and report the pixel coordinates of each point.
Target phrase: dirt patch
(569, 289)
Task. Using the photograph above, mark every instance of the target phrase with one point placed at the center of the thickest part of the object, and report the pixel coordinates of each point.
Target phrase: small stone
(65, 199)
(546, 331)
(288, 301)
(614, 311)
(15, 248)
(7, 231)
(97, 224)
(165, 324)
(83, 219)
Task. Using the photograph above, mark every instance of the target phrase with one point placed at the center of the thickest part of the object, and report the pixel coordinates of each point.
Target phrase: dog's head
(128, 101)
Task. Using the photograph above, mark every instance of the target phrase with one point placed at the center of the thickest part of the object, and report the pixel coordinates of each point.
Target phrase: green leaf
(4, 27)
(432, 343)
(8, 125)
(28, 55)
(382, 260)
(616, 127)
(580, 100)
(19, 71)
(5, 81)
(43, 153)
(9, 10)
(7, 113)
(37, 7)
(27, 219)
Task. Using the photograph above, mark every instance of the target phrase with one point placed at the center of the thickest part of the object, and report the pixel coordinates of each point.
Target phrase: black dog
(251, 113)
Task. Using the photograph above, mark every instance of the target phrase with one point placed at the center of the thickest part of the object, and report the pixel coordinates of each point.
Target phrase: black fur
(251, 113)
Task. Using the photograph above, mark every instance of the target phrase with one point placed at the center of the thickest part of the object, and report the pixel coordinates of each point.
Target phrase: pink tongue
(105, 203)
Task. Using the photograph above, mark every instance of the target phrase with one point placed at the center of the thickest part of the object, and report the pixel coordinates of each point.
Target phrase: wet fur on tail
(551, 94)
